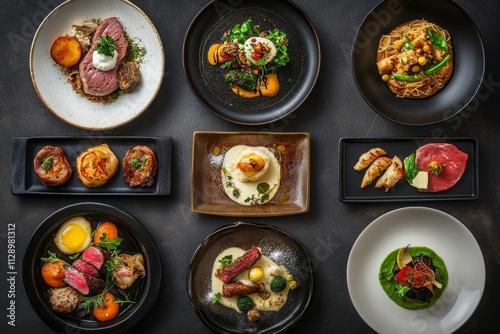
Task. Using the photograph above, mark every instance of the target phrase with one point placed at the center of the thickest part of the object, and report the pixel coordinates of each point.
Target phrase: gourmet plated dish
(251, 57)
(89, 273)
(249, 282)
(100, 60)
(250, 175)
(96, 165)
(413, 277)
(52, 166)
(432, 167)
(139, 166)
(415, 59)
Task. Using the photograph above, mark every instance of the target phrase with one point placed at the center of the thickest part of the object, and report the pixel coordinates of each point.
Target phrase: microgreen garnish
(217, 298)
(106, 46)
(52, 257)
(226, 261)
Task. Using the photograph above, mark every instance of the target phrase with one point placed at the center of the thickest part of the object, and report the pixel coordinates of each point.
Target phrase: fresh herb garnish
(89, 303)
(106, 46)
(437, 40)
(217, 298)
(112, 246)
(52, 257)
(264, 190)
(229, 182)
(127, 299)
(226, 261)
(137, 163)
(47, 163)
(410, 167)
(74, 257)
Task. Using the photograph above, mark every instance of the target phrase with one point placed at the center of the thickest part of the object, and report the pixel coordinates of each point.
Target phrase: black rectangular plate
(467, 188)
(25, 181)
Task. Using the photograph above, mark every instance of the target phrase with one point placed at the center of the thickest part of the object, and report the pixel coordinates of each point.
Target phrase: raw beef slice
(444, 153)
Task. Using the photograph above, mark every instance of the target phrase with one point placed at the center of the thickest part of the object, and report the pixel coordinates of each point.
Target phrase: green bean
(438, 66)
(404, 77)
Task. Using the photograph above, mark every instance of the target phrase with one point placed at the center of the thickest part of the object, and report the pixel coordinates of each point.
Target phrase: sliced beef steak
(444, 153)
(225, 274)
(97, 82)
(86, 268)
(96, 256)
(85, 284)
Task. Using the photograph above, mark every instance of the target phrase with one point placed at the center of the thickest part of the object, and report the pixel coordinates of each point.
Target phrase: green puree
(389, 284)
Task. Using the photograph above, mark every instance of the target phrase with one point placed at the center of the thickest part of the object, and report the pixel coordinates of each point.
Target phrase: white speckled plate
(56, 93)
(418, 226)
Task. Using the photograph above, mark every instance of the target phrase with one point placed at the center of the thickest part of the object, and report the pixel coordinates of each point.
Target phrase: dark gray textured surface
(334, 109)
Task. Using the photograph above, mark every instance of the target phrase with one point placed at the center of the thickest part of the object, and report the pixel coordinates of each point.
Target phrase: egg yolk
(73, 237)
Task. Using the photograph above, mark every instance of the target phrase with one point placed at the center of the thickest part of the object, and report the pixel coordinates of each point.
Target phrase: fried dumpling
(392, 175)
(368, 157)
(375, 170)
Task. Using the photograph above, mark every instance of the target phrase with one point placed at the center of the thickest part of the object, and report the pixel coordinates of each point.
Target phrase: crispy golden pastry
(52, 166)
(392, 175)
(139, 166)
(96, 165)
(368, 157)
(375, 170)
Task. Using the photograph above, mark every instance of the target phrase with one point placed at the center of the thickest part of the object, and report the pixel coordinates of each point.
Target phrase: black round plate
(276, 244)
(468, 51)
(297, 78)
(135, 237)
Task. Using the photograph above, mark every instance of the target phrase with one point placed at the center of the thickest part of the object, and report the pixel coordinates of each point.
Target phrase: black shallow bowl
(296, 79)
(276, 244)
(135, 239)
(469, 61)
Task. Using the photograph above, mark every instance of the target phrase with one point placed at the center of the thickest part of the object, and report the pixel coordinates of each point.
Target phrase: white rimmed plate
(56, 93)
(418, 226)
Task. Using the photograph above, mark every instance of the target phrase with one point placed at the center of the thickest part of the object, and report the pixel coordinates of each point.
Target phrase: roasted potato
(66, 51)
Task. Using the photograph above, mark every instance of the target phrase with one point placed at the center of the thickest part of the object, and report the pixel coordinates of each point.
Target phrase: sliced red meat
(225, 274)
(95, 256)
(86, 268)
(97, 82)
(85, 284)
(241, 289)
(444, 153)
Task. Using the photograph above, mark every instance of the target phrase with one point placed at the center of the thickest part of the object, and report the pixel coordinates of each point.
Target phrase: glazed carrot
(106, 227)
(53, 274)
(108, 310)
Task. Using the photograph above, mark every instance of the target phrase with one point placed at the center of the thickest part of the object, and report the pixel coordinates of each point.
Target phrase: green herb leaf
(136, 163)
(437, 40)
(263, 188)
(410, 167)
(47, 163)
(52, 257)
(226, 261)
(106, 46)
(127, 299)
(217, 298)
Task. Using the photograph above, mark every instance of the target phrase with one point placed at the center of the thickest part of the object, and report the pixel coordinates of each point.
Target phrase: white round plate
(417, 226)
(57, 94)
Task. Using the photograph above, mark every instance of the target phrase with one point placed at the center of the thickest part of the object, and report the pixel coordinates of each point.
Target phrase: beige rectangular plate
(208, 195)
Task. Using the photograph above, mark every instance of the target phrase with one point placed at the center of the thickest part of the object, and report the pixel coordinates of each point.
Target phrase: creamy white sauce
(249, 46)
(270, 268)
(102, 62)
(245, 187)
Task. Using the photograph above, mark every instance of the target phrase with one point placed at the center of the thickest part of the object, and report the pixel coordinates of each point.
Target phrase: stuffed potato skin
(96, 165)
(52, 166)
(139, 166)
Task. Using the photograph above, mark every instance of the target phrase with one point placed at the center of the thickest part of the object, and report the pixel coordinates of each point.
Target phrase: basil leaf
(437, 40)
(410, 167)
